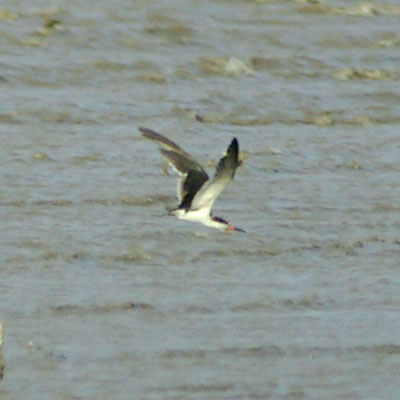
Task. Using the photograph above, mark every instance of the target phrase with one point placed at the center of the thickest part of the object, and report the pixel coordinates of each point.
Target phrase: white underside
(201, 216)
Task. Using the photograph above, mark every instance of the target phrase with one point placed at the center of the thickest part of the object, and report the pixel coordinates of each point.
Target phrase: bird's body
(195, 191)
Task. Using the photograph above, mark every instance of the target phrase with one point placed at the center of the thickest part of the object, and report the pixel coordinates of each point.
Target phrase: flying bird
(196, 192)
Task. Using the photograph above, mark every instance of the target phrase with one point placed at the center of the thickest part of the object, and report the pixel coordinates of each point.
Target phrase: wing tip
(148, 133)
(234, 144)
(234, 147)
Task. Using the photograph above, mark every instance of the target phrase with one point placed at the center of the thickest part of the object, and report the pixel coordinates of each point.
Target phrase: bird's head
(223, 225)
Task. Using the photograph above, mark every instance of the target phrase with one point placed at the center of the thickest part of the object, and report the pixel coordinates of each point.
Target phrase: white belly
(201, 216)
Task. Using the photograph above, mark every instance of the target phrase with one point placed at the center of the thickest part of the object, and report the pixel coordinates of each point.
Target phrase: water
(103, 295)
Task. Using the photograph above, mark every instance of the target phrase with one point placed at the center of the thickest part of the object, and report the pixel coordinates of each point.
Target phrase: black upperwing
(193, 177)
(224, 173)
(163, 141)
(192, 173)
(227, 165)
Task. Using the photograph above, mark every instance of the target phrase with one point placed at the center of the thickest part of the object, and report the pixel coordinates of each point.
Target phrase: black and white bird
(196, 192)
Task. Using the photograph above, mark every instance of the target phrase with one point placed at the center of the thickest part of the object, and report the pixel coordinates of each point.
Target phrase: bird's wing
(224, 173)
(191, 174)
(163, 141)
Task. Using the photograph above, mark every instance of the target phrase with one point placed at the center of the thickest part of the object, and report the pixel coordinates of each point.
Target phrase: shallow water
(103, 295)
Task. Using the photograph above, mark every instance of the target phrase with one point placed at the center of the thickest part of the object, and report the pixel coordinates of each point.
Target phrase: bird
(196, 192)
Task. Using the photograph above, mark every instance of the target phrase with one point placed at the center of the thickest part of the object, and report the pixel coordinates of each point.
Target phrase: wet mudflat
(103, 295)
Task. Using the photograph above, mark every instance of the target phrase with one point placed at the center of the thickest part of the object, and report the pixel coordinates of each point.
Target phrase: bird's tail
(178, 212)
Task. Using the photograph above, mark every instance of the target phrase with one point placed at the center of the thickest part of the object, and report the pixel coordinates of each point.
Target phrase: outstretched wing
(192, 174)
(163, 141)
(224, 173)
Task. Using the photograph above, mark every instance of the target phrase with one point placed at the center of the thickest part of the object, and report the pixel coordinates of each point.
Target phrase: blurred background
(102, 295)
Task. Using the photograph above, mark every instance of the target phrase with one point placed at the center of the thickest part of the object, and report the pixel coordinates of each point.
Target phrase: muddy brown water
(102, 295)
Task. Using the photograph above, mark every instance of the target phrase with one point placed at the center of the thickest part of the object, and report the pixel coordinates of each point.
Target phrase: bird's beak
(233, 228)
